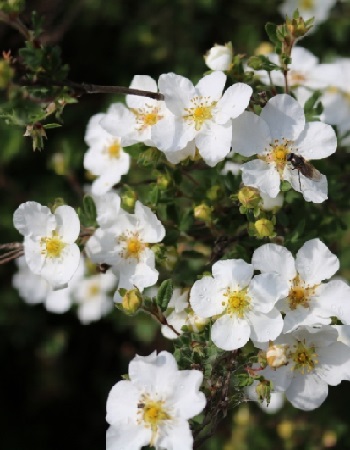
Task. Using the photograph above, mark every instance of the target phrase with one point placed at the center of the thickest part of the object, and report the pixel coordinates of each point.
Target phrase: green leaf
(165, 292)
(48, 126)
(271, 29)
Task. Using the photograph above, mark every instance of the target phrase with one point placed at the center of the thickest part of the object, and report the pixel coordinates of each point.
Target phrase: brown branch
(85, 88)
(16, 23)
(15, 250)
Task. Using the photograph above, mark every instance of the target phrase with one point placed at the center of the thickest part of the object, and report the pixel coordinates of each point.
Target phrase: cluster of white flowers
(123, 242)
(287, 310)
(89, 292)
(290, 309)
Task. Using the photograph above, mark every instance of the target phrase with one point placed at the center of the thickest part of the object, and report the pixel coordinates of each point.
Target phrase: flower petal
(127, 436)
(230, 333)
(265, 326)
(274, 258)
(233, 273)
(68, 224)
(307, 392)
(214, 142)
(334, 300)
(315, 262)
(284, 116)
(211, 85)
(317, 141)
(233, 102)
(33, 219)
(178, 92)
(206, 297)
(244, 141)
(265, 290)
(261, 175)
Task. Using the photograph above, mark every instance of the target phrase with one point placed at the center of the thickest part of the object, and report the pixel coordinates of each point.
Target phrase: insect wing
(309, 171)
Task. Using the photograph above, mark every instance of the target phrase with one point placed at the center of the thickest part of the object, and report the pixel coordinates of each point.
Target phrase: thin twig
(16, 23)
(85, 88)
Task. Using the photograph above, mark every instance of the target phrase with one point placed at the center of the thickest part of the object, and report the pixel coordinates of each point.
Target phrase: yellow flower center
(238, 302)
(299, 295)
(114, 150)
(304, 358)
(153, 413)
(306, 4)
(200, 112)
(296, 78)
(147, 116)
(277, 153)
(133, 247)
(53, 246)
(94, 290)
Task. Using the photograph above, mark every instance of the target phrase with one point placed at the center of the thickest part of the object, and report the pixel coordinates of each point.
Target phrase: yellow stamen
(147, 117)
(53, 246)
(114, 150)
(299, 295)
(200, 112)
(305, 358)
(153, 414)
(134, 246)
(238, 302)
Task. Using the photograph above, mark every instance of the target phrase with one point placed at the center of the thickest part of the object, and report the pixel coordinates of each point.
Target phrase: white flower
(122, 241)
(308, 9)
(105, 157)
(219, 57)
(35, 289)
(135, 122)
(271, 203)
(153, 407)
(180, 313)
(200, 113)
(302, 71)
(309, 301)
(335, 98)
(91, 295)
(315, 360)
(242, 307)
(49, 238)
(281, 131)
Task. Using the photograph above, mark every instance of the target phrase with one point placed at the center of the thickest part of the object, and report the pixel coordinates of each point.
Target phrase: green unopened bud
(6, 73)
(214, 193)
(37, 132)
(249, 197)
(163, 181)
(131, 301)
(297, 27)
(203, 212)
(128, 199)
(263, 389)
(264, 228)
(59, 164)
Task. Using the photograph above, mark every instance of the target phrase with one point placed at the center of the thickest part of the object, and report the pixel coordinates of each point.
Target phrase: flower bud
(131, 301)
(249, 197)
(219, 57)
(128, 199)
(264, 228)
(37, 132)
(213, 193)
(170, 258)
(203, 212)
(276, 356)
(163, 181)
(263, 389)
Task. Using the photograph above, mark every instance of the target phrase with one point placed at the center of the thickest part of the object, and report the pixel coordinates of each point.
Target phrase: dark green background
(55, 373)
